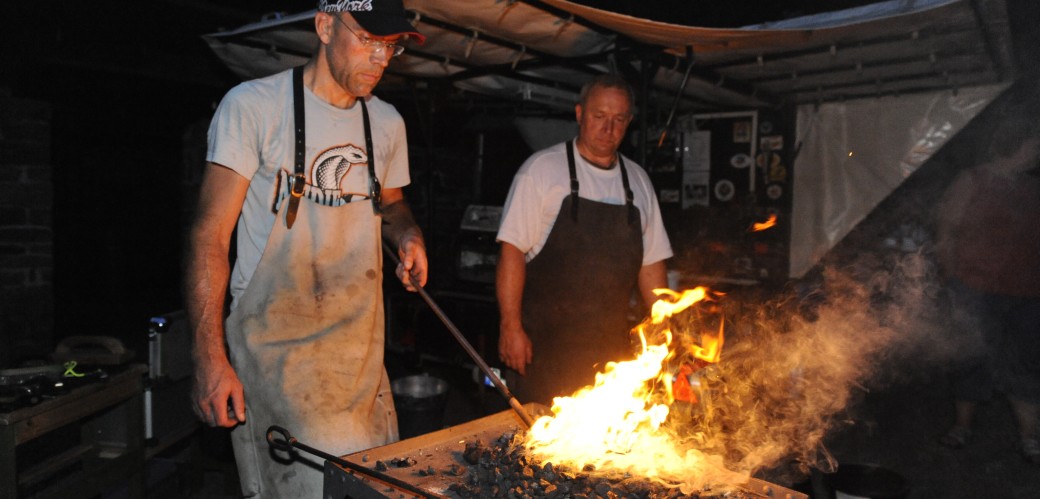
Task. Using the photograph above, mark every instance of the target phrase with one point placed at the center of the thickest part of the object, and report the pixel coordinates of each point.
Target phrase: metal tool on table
(513, 403)
(287, 443)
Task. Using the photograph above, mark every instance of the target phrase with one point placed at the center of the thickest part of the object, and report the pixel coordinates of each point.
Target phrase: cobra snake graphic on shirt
(332, 166)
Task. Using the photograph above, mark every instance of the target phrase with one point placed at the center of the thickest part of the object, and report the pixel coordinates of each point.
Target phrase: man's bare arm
(206, 278)
(514, 346)
(652, 276)
(400, 229)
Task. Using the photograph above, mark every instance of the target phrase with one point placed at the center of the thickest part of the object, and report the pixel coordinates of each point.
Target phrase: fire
(760, 226)
(616, 424)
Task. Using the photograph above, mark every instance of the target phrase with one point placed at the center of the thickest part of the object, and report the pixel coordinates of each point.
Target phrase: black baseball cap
(379, 17)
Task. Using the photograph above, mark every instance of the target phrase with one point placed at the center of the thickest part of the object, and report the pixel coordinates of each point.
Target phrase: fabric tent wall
(540, 133)
(853, 154)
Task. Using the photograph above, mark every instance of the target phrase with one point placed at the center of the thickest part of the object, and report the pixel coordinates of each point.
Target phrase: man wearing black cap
(309, 166)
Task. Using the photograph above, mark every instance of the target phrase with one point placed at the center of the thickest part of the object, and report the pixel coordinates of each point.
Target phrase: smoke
(791, 366)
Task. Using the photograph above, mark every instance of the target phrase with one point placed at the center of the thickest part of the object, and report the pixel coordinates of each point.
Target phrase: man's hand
(216, 384)
(412, 253)
(399, 226)
(514, 347)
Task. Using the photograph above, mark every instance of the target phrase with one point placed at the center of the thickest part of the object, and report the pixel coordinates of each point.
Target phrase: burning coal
(503, 468)
(688, 415)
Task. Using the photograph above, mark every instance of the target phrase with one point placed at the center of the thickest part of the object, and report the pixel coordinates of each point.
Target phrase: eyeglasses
(390, 48)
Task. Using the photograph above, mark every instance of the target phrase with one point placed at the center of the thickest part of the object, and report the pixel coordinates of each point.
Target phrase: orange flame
(708, 351)
(616, 424)
(711, 347)
(760, 226)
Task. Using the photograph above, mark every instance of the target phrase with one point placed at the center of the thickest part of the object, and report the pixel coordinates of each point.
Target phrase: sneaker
(958, 437)
(1030, 449)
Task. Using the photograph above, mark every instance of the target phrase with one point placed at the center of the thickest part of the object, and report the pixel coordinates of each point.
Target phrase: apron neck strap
(375, 191)
(299, 126)
(299, 179)
(574, 180)
(629, 196)
(572, 168)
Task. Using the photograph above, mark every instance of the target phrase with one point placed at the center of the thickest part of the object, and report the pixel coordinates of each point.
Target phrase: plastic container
(420, 401)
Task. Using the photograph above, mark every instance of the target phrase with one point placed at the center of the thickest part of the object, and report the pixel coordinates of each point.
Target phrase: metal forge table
(439, 451)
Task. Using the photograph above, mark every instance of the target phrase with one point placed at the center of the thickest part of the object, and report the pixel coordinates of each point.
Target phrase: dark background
(132, 86)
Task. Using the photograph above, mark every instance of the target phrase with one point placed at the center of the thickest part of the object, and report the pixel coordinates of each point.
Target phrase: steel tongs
(287, 443)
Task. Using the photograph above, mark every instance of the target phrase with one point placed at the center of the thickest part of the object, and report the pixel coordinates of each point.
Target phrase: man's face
(603, 120)
(357, 67)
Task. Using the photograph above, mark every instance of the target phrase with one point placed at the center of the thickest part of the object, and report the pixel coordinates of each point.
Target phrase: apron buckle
(376, 194)
(296, 185)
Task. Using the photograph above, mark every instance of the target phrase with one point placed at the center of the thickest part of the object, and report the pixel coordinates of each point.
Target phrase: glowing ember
(760, 226)
(616, 425)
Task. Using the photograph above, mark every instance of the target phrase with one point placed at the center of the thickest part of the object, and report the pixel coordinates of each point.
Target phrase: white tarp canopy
(888, 82)
(854, 153)
(544, 50)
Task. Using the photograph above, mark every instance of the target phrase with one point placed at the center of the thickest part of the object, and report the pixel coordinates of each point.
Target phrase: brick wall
(26, 229)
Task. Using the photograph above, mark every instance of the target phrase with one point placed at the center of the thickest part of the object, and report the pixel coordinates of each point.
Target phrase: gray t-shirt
(252, 134)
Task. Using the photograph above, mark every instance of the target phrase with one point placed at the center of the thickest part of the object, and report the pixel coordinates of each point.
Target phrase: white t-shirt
(542, 183)
(252, 134)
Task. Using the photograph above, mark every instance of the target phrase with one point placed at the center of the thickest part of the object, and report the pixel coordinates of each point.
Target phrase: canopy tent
(544, 50)
(896, 78)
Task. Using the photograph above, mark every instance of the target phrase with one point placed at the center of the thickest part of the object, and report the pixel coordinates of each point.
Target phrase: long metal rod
(289, 442)
(515, 404)
(678, 95)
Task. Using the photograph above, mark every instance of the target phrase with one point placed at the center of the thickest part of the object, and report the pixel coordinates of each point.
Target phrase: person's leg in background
(1021, 350)
(971, 377)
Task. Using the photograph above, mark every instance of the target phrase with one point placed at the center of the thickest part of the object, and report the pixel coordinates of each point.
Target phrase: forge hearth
(475, 459)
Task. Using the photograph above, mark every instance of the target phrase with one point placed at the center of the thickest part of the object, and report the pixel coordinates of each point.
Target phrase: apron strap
(574, 179)
(298, 180)
(629, 196)
(375, 191)
(299, 126)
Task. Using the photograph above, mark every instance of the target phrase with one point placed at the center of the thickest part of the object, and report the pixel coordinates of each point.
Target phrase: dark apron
(577, 291)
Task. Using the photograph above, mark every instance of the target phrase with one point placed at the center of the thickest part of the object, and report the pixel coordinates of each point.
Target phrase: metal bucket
(866, 481)
(420, 401)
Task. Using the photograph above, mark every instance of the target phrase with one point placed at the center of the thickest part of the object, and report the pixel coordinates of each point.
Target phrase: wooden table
(110, 450)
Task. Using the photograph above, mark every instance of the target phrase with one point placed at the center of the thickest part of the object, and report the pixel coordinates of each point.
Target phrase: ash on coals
(504, 469)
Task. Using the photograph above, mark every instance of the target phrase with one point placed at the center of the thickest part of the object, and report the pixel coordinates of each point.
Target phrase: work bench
(108, 451)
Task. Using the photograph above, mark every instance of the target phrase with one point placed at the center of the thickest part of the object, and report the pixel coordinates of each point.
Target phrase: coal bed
(483, 458)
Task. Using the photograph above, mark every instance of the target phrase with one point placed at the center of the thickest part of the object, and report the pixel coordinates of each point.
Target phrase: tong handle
(287, 441)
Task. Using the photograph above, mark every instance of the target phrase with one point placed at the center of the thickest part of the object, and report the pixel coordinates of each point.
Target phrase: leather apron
(577, 291)
(306, 339)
